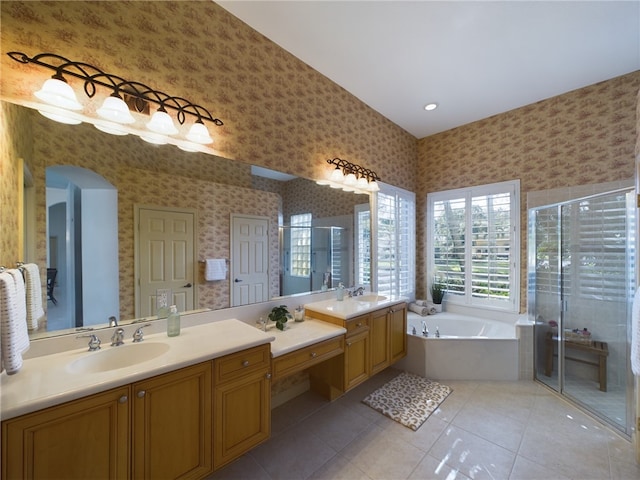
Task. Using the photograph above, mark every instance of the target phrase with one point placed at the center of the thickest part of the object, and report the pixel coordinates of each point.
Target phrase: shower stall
(581, 279)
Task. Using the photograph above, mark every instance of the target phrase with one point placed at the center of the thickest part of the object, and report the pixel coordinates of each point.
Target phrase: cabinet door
(172, 424)
(87, 438)
(379, 337)
(398, 332)
(242, 416)
(356, 359)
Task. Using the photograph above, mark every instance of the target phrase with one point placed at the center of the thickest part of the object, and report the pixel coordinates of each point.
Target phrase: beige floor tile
(423, 438)
(243, 468)
(383, 455)
(339, 468)
(472, 455)
(492, 425)
(336, 425)
(432, 468)
(295, 454)
(524, 469)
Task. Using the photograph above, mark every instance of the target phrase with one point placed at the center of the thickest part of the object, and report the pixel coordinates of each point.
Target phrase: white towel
(635, 334)
(423, 310)
(33, 287)
(14, 337)
(215, 269)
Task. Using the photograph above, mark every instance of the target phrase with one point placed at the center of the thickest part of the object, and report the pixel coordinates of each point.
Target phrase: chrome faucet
(437, 332)
(425, 330)
(356, 292)
(94, 341)
(113, 321)
(138, 335)
(117, 337)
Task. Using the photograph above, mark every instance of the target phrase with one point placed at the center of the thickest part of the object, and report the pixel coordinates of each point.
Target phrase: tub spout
(437, 332)
(425, 330)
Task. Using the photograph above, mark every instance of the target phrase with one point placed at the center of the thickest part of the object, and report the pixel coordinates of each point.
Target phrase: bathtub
(469, 348)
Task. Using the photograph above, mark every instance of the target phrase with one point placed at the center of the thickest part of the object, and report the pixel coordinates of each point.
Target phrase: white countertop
(45, 381)
(301, 334)
(352, 306)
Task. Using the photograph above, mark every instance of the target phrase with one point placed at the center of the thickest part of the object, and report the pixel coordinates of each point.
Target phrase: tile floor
(492, 430)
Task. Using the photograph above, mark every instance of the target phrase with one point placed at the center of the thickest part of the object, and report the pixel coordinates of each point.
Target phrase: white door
(249, 259)
(165, 258)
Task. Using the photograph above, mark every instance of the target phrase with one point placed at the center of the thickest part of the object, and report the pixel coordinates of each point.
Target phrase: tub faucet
(425, 330)
(117, 337)
(113, 322)
(437, 332)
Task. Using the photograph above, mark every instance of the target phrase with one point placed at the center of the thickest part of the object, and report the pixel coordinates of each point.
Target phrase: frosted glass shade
(350, 180)
(61, 117)
(58, 93)
(198, 133)
(162, 123)
(337, 175)
(373, 186)
(362, 183)
(115, 110)
(154, 138)
(111, 128)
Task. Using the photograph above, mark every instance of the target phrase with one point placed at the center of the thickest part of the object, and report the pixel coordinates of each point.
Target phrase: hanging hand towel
(33, 287)
(635, 334)
(215, 269)
(14, 337)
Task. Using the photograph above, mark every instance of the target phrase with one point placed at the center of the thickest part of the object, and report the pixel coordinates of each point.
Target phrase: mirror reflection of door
(165, 258)
(82, 234)
(249, 259)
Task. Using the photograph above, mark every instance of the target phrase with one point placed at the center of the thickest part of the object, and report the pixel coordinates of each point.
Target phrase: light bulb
(116, 110)
(57, 92)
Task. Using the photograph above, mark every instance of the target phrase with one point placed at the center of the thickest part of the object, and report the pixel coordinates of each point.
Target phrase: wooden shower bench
(600, 349)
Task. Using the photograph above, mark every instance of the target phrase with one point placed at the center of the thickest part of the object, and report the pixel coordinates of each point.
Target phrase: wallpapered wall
(278, 112)
(583, 137)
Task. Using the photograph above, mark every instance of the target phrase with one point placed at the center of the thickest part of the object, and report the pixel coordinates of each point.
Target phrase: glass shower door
(582, 281)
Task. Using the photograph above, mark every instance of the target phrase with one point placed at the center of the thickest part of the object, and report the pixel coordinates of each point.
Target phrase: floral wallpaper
(583, 137)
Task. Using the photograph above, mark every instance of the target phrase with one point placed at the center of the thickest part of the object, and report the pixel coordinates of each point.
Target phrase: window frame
(467, 299)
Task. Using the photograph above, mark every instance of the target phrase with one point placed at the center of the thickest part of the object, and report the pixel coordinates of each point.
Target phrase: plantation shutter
(396, 241)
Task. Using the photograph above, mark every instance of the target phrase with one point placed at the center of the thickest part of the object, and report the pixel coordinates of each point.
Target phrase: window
(301, 245)
(396, 217)
(473, 242)
(363, 244)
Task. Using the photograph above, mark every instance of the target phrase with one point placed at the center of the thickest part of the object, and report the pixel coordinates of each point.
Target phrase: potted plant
(280, 315)
(438, 289)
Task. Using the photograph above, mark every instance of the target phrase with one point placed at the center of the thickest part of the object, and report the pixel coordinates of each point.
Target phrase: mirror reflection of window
(301, 245)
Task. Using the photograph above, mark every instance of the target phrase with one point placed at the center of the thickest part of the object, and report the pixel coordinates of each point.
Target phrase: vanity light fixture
(351, 177)
(115, 112)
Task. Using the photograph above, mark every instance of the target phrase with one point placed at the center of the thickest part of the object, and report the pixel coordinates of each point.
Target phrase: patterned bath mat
(408, 399)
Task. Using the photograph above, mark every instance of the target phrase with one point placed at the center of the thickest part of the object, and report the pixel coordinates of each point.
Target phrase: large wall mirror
(96, 201)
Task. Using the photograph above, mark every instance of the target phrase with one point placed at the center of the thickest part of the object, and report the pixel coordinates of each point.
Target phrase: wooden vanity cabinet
(86, 438)
(242, 403)
(372, 343)
(172, 428)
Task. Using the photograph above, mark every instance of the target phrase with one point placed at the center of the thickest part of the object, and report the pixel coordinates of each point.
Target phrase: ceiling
(474, 59)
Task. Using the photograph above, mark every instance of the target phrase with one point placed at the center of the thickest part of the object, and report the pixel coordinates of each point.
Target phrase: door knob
(237, 280)
(188, 285)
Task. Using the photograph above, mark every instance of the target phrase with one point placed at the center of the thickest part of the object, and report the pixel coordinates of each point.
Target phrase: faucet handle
(138, 335)
(94, 341)
(117, 337)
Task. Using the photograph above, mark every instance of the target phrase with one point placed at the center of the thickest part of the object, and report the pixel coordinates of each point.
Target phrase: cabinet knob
(268, 376)
(123, 399)
(314, 354)
(358, 324)
(348, 344)
(141, 393)
(245, 363)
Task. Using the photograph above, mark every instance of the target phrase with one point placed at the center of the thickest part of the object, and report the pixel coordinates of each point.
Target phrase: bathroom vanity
(185, 406)
(375, 338)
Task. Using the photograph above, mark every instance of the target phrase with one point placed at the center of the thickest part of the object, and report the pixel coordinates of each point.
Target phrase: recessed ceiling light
(430, 106)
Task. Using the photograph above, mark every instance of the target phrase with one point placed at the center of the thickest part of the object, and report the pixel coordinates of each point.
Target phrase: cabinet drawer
(306, 357)
(357, 325)
(241, 363)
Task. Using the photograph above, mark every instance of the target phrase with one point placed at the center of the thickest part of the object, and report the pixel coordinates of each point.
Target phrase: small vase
(438, 307)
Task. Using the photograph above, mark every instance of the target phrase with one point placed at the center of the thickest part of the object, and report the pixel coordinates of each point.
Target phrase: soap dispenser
(340, 292)
(173, 322)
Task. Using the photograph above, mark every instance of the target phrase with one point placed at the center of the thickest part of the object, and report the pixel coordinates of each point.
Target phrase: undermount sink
(371, 298)
(113, 358)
